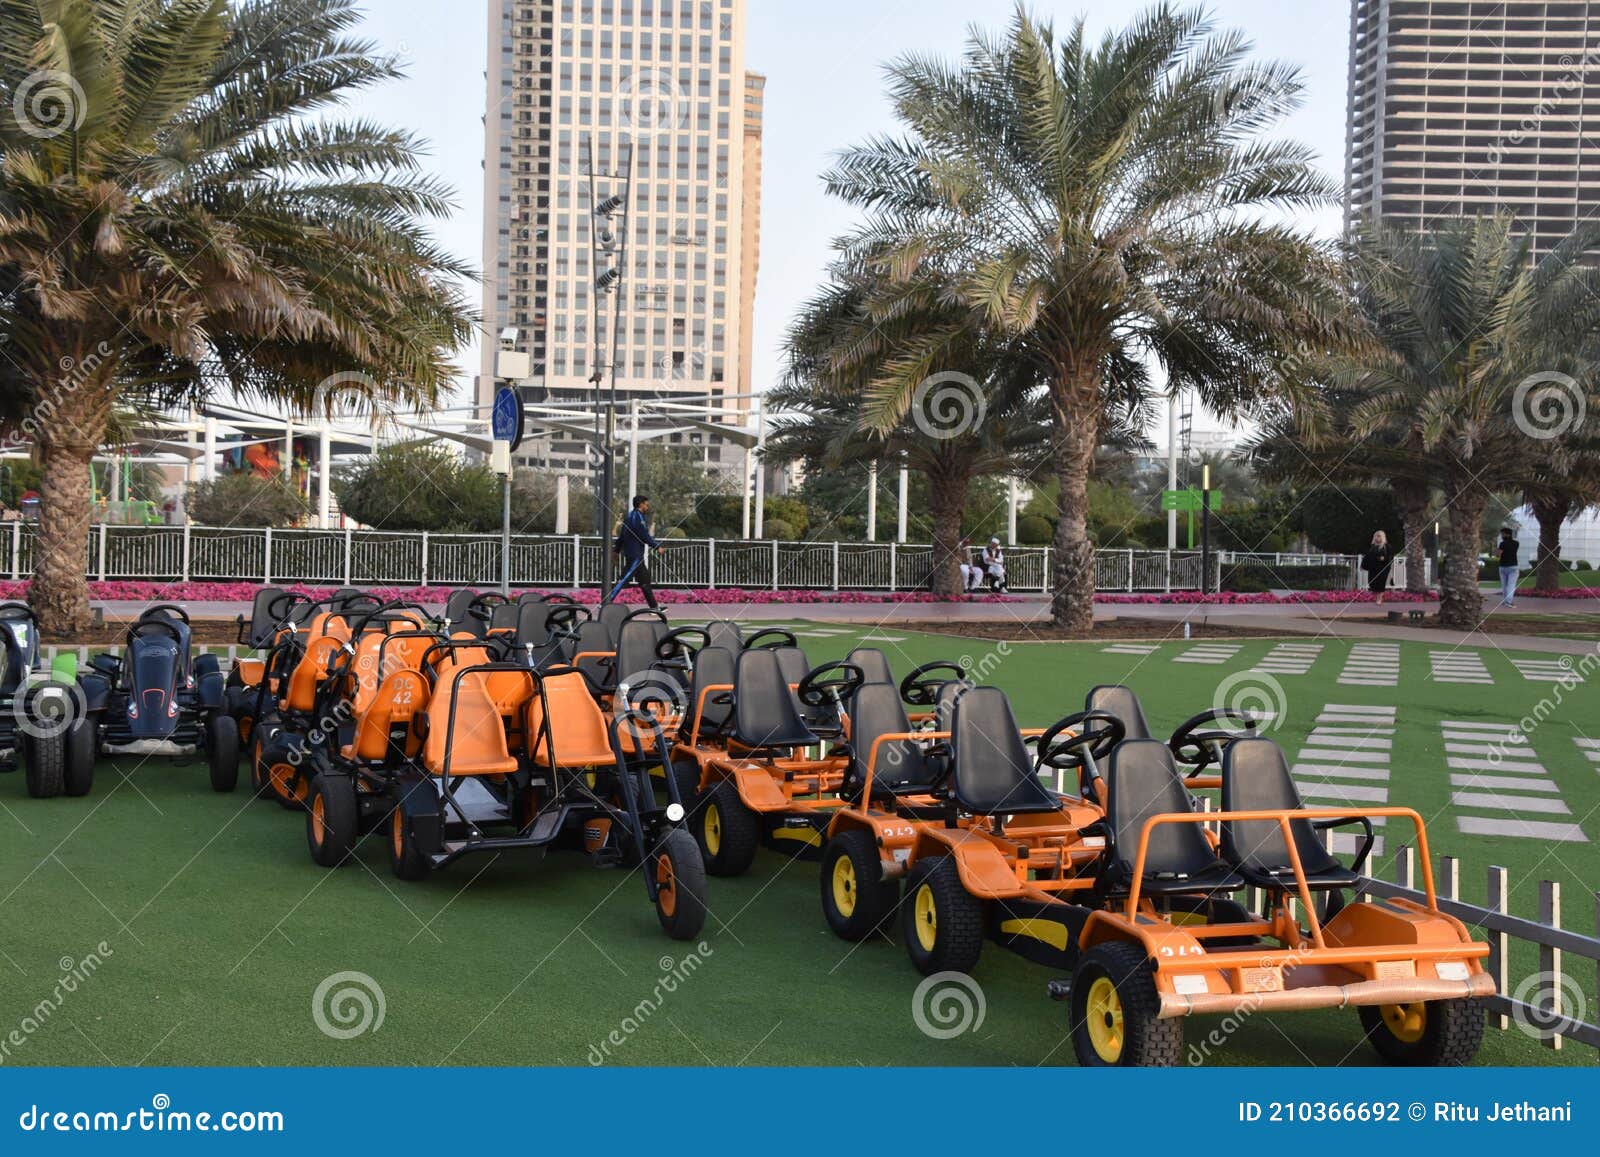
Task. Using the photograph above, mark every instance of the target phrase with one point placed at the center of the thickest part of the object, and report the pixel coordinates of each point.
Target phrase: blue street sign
(506, 418)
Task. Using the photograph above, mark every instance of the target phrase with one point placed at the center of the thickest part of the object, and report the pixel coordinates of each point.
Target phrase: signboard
(1187, 501)
(506, 419)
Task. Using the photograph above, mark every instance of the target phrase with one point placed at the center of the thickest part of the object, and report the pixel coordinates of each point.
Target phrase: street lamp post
(602, 242)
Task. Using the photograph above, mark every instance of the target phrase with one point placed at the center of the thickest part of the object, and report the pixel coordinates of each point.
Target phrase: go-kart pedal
(1059, 989)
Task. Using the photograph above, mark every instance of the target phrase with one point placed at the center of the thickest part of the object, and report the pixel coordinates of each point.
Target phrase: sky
(825, 91)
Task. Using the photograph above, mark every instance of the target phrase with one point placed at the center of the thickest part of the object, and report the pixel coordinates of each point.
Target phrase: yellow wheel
(1115, 1010)
(927, 912)
(844, 886)
(1103, 1019)
(713, 822)
(856, 899)
(1406, 1022)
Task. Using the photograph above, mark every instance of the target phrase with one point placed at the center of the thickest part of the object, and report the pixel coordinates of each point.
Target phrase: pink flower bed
(1564, 593)
(243, 592)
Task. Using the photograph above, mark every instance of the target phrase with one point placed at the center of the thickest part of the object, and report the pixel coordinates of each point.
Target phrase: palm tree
(984, 415)
(179, 212)
(1104, 205)
(1486, 359)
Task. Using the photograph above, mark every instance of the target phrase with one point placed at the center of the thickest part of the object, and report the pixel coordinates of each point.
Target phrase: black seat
(722, 633)
(903, 766)
(594, 640)
(1143, 781)
(531, 627)
(613, 615)
(873, 663)
(504, 617)
(765, 714)
(1115, 699)
(262, 624)
(991, 769)
(636, 647)
(793, 663)
(713, 667)
(1255, 777)
(455, 609)
(944, 704)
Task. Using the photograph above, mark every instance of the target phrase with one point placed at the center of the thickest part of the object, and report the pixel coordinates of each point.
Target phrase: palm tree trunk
(1411, 498)
(1551, 513)
(1460, 600)
(59, 592)
(947, 498)
(1075, 428)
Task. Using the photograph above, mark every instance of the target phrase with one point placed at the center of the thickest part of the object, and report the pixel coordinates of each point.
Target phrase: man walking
(632, 540)
(1508, 567)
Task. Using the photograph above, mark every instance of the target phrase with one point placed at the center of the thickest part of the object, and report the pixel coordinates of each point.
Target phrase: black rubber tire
(333, 819)
(405, 858)
(78, 774)
(259, 787)
(1147, 1042)
(738, 831)
(686, 897)
(958, 919)
(278, 751)
(687, 774)
(1451, 1034)
(222, 751)
(875, 897)
(46, 760)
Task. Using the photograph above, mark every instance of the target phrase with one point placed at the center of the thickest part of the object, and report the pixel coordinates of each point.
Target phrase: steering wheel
(830, 683)
(917, 690)
(643, 613)
(164, 608)
(650, 697)
(675, 645)
(775, 637)
(15, 611)
(562, 621)
(1094, 734)
(281, 605)
(1199, 749)
(157, 626)
(482, 607)
(552, 597)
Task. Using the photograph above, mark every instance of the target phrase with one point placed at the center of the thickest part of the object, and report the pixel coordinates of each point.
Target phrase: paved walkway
(1327, 620)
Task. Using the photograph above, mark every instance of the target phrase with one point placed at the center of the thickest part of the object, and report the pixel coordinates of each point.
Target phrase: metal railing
(396, 558)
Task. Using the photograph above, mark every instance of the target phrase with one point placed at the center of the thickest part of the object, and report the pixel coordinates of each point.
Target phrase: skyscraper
(665, 80)
(1459, 108)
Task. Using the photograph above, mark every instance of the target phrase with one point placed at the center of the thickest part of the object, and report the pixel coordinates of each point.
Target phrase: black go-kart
(42, 725)
(159, 698)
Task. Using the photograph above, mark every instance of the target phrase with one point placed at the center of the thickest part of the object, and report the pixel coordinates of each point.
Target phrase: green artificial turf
(220, 929)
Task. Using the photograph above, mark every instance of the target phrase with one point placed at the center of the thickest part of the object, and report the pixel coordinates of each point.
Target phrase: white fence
(391, 558)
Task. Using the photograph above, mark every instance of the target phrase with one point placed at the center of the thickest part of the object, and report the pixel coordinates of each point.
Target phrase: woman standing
(1377, 562)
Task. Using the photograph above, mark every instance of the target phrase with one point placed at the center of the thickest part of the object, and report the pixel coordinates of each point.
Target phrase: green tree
(1108, 206)
(182, 210)
(1479, 348)
(420, 486)
(244, 498)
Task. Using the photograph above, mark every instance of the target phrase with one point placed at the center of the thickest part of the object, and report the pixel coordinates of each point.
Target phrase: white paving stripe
(1547, 670)
(1492, 801)
(1458, 667)
(1523, 829)
(1339, 771)
(1344, 792)
(1290, 658)
(1130, 649)
(1339, 739)
(1465, 764)
(1347, 844)
(1209, 653)
(1372, 665)
(1504, 783)
(1503, 738)
(1349, 742)
(1327, 753)
(1361, 709)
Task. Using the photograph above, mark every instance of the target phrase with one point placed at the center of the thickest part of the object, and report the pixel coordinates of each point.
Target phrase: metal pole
(872, 501)
(1172, 466)
(900, 517)
(1205, 530)
(288, 449)
(209, 472)
(633, 447)
(505, 532)
(744, 519)
(761, 464)
(1011, 512)
(563, 502)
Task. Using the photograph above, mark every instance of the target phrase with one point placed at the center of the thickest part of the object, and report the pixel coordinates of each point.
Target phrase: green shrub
(777, 528)
(1255, 578)
(1034, 530)
(244, 498)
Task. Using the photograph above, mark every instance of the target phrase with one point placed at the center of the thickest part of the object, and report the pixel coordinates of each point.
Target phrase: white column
(324, 475)
(288, 449)
(1011, 512)
(563, 509)
(1172, 466)
(872, 501)
(761, 465)
(209, 470)
(192, 437)
(900, 520)
(744, 518)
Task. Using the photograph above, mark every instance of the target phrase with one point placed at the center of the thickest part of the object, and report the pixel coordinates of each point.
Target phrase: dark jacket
(634, 536)
(1377, 559)
(1508, 552)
